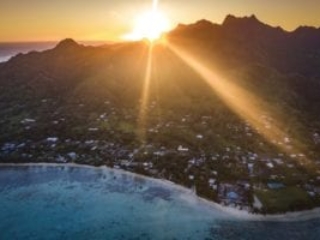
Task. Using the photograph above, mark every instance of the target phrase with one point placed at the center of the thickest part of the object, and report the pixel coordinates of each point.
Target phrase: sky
(110, 20)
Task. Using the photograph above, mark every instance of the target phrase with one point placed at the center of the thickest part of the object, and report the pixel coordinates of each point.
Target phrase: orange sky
(38, 20)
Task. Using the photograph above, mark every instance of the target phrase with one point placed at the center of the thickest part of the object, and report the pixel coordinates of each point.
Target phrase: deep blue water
(47, 202)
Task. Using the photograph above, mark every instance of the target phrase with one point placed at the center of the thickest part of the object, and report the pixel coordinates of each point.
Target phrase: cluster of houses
(235, 193)
(229, 193)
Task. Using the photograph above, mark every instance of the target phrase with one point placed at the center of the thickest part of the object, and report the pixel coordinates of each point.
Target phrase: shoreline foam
(232, 212)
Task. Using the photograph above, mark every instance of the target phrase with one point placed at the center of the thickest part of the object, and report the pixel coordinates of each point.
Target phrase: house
(28, 120)
(278, 161)
(250, 168)
(211, 181)
(311, 194)
(270, 165)
(52, 139)
(275, 185)
(73, 156)
(61, 159)
(8, 146)
(182, 149)
(147, 165)
(159, 153)
(199, 136)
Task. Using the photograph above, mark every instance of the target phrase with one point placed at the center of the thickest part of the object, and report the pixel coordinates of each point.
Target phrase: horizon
(59, 40)
(106, 41)
(113, 20)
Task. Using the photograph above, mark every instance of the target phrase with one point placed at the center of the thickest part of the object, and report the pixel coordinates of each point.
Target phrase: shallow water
(47, 202)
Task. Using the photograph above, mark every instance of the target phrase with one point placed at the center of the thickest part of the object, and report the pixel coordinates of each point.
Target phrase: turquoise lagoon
(69, 202)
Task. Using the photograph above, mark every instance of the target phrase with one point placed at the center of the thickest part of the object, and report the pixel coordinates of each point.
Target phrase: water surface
(50, 202)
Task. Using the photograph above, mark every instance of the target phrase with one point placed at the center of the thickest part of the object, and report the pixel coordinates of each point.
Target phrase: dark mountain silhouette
(238, 44)
(243, 42)
(271, 45)
(248, 25)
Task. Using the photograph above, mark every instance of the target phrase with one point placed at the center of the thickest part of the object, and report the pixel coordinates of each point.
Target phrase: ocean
(68, 202)
(8, 50)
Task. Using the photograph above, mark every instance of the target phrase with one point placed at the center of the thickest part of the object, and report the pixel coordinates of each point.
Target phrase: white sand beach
(192, 198)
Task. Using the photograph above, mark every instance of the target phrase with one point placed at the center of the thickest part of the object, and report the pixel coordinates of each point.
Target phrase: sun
(149, 25)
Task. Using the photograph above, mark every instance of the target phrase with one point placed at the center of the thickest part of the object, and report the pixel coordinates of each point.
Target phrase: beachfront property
(231, 174)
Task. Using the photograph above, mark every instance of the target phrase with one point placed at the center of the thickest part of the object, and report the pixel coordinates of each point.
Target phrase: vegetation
(284, 200)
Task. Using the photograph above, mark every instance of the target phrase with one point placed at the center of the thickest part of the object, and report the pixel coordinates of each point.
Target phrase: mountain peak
(67, 43)
(204, 22)
(304, 29)
(231, 20)
(201, 27)
(253, 17)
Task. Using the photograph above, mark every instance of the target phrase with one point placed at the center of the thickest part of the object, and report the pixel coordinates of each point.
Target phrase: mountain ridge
(247, 20)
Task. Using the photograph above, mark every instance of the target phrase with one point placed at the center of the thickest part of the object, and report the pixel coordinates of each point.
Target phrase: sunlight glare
(242, 102)
(145, 97)
(150, 25)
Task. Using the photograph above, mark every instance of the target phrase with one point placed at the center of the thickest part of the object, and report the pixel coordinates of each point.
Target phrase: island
(86, 105)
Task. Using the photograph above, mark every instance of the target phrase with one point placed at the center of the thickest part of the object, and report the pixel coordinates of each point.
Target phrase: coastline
(232, 212)
(4, 59)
